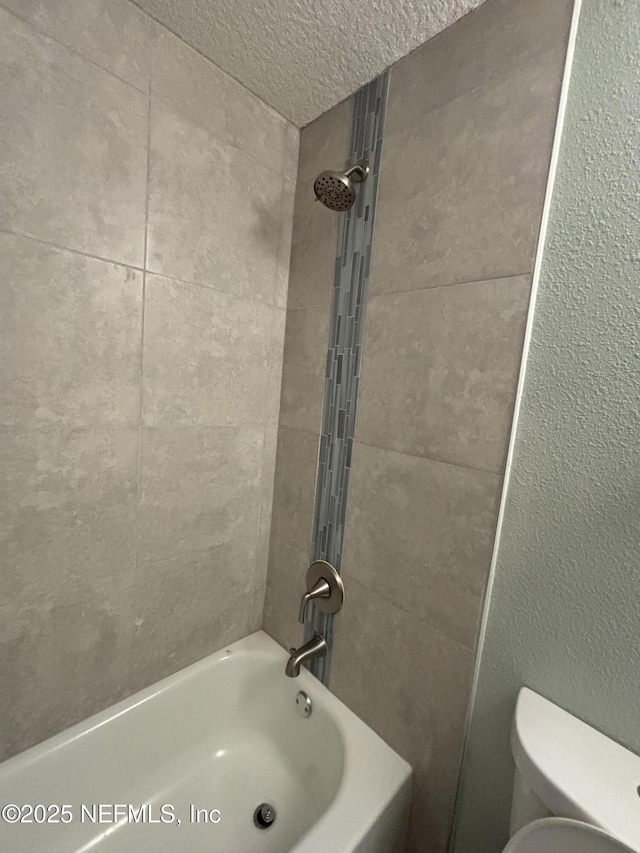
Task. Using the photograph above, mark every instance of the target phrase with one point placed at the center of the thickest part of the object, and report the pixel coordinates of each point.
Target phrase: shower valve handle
(320, 589)
(325, 587)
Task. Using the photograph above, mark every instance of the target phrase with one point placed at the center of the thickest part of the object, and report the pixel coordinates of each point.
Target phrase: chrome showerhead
(335, 189)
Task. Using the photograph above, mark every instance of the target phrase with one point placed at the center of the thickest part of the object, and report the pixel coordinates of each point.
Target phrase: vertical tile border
(355, 234)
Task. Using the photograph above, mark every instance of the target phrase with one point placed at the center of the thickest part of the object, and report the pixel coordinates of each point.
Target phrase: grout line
(141, 373)
(497, 474)
(313, 433)
(183, 556)
(33, 591)
(374, 590)
(65, 427)
(145, 250)
(427, 288)
(321, 305)
(26, 429)
(62, 248)
(215, 289)
(208, 427)
(72, 50)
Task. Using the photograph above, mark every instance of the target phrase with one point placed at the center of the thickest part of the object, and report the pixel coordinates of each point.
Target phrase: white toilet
(575, 790)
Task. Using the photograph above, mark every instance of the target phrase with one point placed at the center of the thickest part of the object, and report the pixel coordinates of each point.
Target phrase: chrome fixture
(335, 189)
(303, 704)
(325, 587)
(315, 648)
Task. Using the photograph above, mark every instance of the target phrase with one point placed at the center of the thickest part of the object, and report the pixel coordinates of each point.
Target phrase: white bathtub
(220, 737)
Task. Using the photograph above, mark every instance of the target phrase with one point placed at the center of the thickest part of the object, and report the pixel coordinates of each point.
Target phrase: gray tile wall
(324, 144)
(468, 134)
(467, 142)
(139, 390)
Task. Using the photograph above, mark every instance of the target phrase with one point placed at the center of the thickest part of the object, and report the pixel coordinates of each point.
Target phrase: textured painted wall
(142, 311)
(564, 616)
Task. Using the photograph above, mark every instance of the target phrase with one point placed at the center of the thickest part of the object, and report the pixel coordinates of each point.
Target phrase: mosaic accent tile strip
(355, 233)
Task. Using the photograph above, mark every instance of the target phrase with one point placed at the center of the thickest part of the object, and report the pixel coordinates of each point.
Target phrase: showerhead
(335, 189)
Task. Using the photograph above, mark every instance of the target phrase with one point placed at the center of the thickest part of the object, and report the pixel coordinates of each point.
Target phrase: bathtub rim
(374, 777)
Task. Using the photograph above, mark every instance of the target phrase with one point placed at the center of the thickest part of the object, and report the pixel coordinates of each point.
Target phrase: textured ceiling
(304, 56)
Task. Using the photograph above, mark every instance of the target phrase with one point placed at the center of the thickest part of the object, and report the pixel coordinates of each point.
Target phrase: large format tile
(304, 368)
(114, 34)
(199, 488)
(207, 356)
(410, 684)
(203, 94)
(323, 145)
(74, 148)
(294, 486)
(214, 216)
(440, 369)
(491, 42)
(288, 565)
(462, 187)
(189, 607)
(70, 338)
(67, 507)
(421, 533)
(64, 655)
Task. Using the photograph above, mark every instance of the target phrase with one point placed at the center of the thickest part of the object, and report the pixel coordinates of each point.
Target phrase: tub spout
(315, 648)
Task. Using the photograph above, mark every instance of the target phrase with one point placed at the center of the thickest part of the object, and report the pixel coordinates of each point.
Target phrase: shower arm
(358, 172)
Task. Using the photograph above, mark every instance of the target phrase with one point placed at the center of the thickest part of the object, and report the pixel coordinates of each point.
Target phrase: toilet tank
(568, 769)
